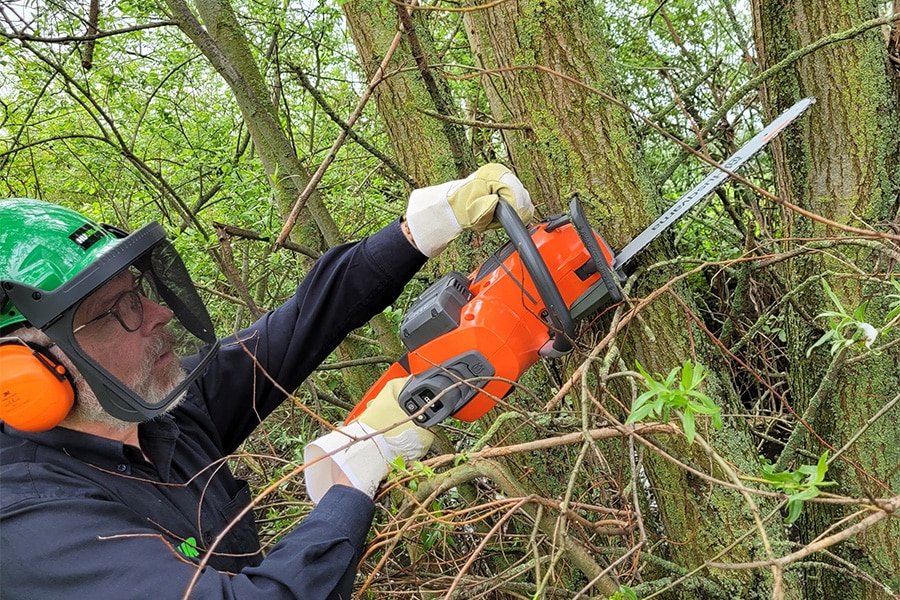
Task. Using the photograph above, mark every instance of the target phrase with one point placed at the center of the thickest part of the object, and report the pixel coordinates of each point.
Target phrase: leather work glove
(438, 214)
(363, 449)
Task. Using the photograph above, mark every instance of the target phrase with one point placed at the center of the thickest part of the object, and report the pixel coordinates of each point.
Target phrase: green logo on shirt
(189, 548)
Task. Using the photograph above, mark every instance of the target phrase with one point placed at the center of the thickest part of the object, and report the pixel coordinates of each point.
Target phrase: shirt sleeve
(93, 548)
(346, 287)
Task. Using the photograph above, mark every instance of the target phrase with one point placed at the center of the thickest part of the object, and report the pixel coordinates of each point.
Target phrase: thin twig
(887, 509)
(332, 154)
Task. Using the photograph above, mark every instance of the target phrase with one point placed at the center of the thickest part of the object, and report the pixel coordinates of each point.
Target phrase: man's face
(143, 359)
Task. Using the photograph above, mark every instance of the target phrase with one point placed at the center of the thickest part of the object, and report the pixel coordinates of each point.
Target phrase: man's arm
(347, 286)
(95, 548)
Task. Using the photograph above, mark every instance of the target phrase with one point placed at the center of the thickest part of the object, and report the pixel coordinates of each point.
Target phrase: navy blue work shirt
(88, 517)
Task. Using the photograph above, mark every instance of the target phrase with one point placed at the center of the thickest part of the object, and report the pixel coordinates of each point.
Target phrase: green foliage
(624, 593)
(435, 530)
(800, 485)
(674, 393)
(845, 329)
(415, 471)
(895, 304)
(394, 315)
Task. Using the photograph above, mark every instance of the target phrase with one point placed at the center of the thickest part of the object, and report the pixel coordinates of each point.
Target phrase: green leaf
(642, 400)
(778, 479)
(797, 487)
(895, 306)
(794, 509)
(624, 593)
(807, 494)
(639, 414)
(821, 468)
(677, 392)
(641, 370)
(687, 376)
(704, 409)
(833, 297)
(687, 423)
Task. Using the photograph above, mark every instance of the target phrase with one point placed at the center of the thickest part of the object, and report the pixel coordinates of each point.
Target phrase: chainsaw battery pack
(436, 311)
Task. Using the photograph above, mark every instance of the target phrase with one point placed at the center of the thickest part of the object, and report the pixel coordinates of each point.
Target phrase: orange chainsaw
(470, 338)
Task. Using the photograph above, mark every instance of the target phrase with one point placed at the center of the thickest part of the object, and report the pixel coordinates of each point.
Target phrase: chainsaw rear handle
(557, 311)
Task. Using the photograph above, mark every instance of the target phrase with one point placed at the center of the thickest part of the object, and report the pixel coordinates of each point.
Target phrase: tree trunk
(546, 69)
(843, 167)
(222, 40)
(416, 105)
(431, 149)
(546, 66)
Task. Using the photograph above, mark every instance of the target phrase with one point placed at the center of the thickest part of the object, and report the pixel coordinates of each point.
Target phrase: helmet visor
(98, 319)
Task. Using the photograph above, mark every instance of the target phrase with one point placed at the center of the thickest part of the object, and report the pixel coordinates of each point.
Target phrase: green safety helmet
(52, 258)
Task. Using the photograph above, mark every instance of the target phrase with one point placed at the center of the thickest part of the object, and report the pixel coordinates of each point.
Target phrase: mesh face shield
(146, 250)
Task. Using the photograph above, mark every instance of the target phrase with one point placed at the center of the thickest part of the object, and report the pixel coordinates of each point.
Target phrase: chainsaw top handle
(557, 311)
(592, 242)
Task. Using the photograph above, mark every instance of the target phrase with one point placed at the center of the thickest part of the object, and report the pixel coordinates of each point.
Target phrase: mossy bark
(843, 165)
(545, 65)
(427, 147)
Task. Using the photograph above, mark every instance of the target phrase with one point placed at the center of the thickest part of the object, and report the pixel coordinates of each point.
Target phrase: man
(113, 478)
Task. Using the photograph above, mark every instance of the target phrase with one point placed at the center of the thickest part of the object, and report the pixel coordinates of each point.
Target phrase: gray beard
(152, 387)
(87, 407)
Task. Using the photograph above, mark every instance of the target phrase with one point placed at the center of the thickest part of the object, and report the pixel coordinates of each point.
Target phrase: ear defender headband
(36, 391)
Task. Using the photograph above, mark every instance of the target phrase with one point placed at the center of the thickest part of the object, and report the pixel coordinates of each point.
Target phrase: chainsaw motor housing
(436, 311)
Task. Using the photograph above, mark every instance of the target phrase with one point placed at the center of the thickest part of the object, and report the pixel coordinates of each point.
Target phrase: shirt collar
(157, 437)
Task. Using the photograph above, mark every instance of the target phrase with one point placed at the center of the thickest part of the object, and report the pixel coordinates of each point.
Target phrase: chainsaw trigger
(553, 349)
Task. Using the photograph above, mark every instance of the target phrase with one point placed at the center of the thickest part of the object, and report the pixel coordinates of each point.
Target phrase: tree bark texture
(843, 165)
(430, 149)
(546, 66)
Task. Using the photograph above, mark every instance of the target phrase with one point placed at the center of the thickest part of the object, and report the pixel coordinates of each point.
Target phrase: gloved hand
(436, 215)
(363, 449)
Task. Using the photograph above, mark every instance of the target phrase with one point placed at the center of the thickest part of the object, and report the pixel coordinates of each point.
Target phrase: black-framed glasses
(128, 307)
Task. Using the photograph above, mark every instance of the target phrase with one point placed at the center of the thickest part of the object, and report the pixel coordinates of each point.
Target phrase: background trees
(220, 118)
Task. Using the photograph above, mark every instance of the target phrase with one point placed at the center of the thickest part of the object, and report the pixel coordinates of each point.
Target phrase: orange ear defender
(36, 391)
